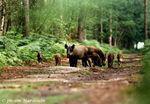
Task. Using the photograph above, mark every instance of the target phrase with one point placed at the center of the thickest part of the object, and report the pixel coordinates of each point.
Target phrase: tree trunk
(7, 23)
(145, 20)
(101, 26)
(110, 29)
(115, 42)
(2, 16)
(101, 33)
(136, 46)
(2, 26)
(80, 30)
(26, 18)
(115, 37)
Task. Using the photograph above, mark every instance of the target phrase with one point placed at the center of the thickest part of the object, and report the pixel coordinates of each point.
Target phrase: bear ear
(66, 46)
(73, 46)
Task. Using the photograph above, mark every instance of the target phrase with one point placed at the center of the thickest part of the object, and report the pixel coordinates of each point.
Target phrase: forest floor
(48, 84)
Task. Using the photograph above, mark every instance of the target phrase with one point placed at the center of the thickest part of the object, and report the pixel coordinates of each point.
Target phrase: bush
(26, 54)
(15, 50)
(45, 44)
(142, 92)
(104, 47)
(91, 43)
(3, 59)
(9, 44)
(13, 35)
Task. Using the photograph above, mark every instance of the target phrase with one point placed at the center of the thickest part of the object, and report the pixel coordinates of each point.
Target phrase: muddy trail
(95, 85)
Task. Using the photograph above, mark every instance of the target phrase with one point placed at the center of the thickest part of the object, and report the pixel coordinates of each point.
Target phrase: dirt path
(94, 85)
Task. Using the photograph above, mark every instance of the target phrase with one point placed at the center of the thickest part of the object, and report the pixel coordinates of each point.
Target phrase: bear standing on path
(110, 59)
(96, 60)
(77, 52)
(57, 59)
(96, 55)
(119, 58)
(39, 57)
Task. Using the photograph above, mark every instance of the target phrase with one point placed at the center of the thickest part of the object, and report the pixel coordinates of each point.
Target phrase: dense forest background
(123, 21)
(46, 25)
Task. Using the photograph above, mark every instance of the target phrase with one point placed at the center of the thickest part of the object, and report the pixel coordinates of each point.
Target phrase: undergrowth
(14, 49)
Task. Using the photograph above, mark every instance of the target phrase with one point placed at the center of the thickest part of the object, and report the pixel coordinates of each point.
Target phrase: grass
(59, 99)
(15, 97)
(7, 94)
(141, 94)
(56, 99)
(143, 90)
(29, 94)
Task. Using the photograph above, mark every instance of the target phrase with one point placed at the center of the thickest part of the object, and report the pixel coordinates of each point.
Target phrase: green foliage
(13, 34)
(56, 99)
(8, 52)
(10, 44)
(146, 49)
(60, 18)
(104, 47)
(91, 43)
(56, 20)
(28, 93)
(45, 44)
(23, 42)
(9, 58)
(3, 59)
(143, 90)
(25, 53)
(14, 50)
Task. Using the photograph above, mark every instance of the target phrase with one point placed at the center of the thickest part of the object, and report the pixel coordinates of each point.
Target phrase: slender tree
(110, 29)
(145, 20)
(26, 18)
(101, 27)
(101, 33)
(1, 17)
(80, 30)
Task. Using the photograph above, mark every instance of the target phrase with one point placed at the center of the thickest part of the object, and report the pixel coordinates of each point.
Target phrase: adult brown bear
(77, 52)
(97, 56)
(110, 59)
(96, 60)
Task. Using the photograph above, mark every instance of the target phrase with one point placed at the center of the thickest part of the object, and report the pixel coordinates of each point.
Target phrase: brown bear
(96, 60)
(77, 52)
(39, 57)
(119, 56)
(96, 55)
(110, 59)
(57, 59)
